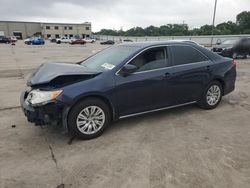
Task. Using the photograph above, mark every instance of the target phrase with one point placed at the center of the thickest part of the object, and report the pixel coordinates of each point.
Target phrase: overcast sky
(114, 14)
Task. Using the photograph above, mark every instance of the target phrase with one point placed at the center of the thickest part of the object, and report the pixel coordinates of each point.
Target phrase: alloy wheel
(213, 95)
(90, 120)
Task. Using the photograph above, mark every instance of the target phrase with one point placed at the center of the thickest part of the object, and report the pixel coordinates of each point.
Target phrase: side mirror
(128, 69)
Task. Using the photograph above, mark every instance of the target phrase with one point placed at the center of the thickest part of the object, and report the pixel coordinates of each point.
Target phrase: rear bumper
(230, 79)
(47, 114)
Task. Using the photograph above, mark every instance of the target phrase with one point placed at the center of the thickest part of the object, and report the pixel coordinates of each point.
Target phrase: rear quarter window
(185, 55)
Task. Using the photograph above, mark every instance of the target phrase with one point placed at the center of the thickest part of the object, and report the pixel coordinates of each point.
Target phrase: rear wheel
(89, 118)
(211, 96)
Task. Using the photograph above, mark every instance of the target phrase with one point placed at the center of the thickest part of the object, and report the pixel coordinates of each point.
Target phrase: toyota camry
(126, 80)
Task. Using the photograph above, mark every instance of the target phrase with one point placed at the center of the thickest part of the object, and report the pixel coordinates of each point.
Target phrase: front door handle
(167, 75)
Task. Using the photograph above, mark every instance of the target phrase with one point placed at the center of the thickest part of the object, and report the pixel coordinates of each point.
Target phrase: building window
(70, 28)
(87, 28)
(66, 35)
(57, 36)
(65, 28)
(70, 36)
(48, 35)
(56, 27)
(48, 27)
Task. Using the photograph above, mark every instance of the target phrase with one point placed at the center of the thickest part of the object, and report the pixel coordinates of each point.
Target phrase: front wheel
(89, 118)
(211, 96)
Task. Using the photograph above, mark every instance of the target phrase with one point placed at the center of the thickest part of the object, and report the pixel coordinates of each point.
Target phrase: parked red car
(78, 41)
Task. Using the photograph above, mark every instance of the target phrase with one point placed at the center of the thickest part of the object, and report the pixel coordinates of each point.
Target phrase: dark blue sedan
(126, 80)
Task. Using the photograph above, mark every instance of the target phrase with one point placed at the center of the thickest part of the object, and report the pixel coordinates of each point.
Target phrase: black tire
(75, 111)
(204, 101)
(59, 42)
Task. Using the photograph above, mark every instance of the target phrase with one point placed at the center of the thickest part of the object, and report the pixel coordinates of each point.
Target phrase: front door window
(155, 58)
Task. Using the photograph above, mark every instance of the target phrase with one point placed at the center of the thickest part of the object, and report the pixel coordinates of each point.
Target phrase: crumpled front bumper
(47, 114)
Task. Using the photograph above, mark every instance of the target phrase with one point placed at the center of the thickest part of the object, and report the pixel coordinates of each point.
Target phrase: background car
(89, 40)
(13, 39)
(127, 40)
(52, 39)
(5, 40)
(37, 41)
(78, 41)
(27, 41)
(233, 48)
(64, 40)
(111, 42)
(34, 41)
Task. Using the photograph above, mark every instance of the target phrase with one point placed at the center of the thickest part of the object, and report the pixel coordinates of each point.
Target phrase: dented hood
(50, 71)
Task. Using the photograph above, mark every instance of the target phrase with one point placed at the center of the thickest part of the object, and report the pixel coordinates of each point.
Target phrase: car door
(192, 71)
(147, 88)
(245, 46)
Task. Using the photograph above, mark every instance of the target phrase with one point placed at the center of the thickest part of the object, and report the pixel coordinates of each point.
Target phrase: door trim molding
(155, 110)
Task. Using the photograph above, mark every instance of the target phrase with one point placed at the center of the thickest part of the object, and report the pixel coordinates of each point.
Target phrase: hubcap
(90, 120)
(213, 95)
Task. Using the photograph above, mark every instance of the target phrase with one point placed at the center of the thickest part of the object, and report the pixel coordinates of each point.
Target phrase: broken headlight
(39, 97)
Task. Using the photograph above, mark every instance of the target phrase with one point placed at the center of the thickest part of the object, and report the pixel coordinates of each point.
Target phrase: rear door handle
(208, 68)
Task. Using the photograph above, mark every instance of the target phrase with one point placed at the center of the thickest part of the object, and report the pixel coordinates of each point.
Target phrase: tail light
(234, 62)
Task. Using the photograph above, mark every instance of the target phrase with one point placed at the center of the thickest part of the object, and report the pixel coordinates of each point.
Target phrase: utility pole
(215, 7)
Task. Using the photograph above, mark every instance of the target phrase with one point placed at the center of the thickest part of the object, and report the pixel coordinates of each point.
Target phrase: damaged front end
(50, 113)
(39, 102)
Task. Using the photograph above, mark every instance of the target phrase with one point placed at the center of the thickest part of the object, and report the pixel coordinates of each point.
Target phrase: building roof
(85, 23)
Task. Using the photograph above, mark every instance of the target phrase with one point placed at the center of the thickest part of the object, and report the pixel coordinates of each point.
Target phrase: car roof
(155, 43)
(143, 45)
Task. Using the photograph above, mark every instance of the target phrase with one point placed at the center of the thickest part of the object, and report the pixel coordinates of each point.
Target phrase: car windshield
(229, 42)
(109, 58)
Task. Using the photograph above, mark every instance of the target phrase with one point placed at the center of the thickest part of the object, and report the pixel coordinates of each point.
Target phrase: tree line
(241, 26)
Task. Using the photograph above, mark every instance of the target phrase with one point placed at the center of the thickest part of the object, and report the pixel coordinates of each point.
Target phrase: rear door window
(186, 54)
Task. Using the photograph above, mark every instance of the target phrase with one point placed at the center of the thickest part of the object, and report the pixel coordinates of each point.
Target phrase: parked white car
(89, 40)
(27, 41)
(64, 40)
(13, 39)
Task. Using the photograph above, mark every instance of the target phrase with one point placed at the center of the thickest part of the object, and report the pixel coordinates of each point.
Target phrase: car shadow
(56, 134)
(151, 117)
